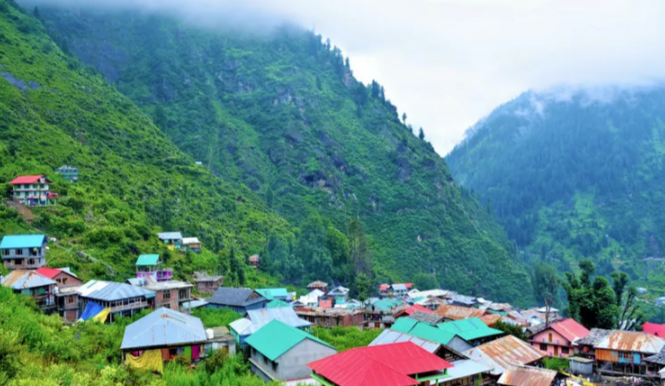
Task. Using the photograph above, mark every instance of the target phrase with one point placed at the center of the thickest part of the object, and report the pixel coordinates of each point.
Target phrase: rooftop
(654, 329)
(170, 236)
(26, 180)
(455, 312)
(22, 241)
(20, 279)
(190, 240)
(111, 291)
(632, 341)
(53, 272)
(391, 336)
(161, 328)
(147, 260)
(276, 338)
(386, 304)
(469, 329)
(466, 368)
(526, 375)
(239, 297)
(261, 317)
(570, 329)
(271, 293)
(502, 353)
(317, 284)
(416, 308)
(422, 330)
(429, 318)
(595, 336)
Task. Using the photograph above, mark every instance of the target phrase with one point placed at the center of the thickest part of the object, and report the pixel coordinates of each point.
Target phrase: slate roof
(22, 241)
(381, 365)
(260, 318)
(469, 329)
(502, 353)
(276, 338)
(26, 180)
(456, 312)
(238, 297)
(271, 293)
(111, 291)
(163, 327)
(20, 279)
(632, 341)
(170, 236)
(594, 337)
(147, 260)
(527, 375)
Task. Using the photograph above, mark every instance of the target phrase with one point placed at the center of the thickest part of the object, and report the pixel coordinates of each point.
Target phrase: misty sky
(448, 63)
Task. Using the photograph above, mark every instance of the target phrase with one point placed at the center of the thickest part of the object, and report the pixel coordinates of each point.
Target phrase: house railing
(130, 306)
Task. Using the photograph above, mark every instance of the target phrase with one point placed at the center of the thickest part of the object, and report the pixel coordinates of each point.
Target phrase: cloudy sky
(448, 63)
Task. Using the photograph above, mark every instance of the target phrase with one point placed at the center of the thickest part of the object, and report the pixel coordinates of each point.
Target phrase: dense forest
(281, 117)
(572, 175)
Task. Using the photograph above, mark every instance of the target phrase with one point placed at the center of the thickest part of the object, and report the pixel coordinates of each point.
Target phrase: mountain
(283, 115)
(575, 174)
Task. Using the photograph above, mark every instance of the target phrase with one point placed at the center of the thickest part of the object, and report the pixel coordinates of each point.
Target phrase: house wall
(171, 302)
(626, 357)
(208, 287)
(293, 364)
(554, 346)
(65, 280)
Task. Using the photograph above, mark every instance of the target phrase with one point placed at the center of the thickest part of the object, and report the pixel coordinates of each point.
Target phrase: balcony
(130, 306)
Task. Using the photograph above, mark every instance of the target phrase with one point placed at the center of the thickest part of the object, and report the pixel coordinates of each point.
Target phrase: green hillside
(283, 115)
(573, 176)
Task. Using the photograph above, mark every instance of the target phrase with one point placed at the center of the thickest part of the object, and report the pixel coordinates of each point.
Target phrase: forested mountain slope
(283, 115)
(573, 175)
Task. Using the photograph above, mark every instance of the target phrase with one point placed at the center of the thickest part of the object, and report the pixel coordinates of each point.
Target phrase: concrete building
(23, 251)
(169, 294)
(120, 298)
(30, 283)
(69, 173)
(219, 338)
(557, 339)
(332, 317)
(68, 304)
(173, 240)
(191, 243)
(33, 191)
(207, 284)
(280, 352)
(243, 328)
(63, 277)
(150, 266)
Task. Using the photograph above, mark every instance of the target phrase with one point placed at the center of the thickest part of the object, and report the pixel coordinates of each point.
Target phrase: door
(556, 351)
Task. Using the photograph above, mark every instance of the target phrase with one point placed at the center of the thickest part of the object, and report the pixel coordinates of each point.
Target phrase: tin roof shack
(502, 353)
(527, 376)
(622, 353)
(122, 299)
(33, 191)
(239, 300)
(449, 312)
(23, 251)
(168, 332)
(254, 261)
(318, 285)
(69, 173)
(586, 346)
(63, 277)
(339, 295)
(30, 283)
(170, 294)
(396, 364)
(206, 284)
(191, 243)
(472, 330)
(274, 293)
(280, 352)
(151, 266)
(173, 240)
(557, 339)
(332, 317)
(219, 338)
(243, 328)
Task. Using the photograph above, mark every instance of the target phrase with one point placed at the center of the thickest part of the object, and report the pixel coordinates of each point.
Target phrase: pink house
(557, 340)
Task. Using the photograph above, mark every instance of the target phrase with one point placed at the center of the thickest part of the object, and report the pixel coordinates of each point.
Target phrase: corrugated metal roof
(595, 336)
(386, 304)
(276, 303)
(390, 336)
(260, 318)
(237, 297)
(170, 236)
(26, 180)
(147, 260)
(110, 291)
(465, 368)
(317, 284)
(425, 317)
(338, 291)
(526, 375)
(194, 304)
(25, 279)
(276, 338)
(469, 329)
(271, 293)
(413, 309)
(22, 241)
(380, 365)
(399, 287)
(190, 240)
(422, 330)
(570, 329)
(163, 327)
(502, 353)
(404, 325)
(632, 341)
(457, 313)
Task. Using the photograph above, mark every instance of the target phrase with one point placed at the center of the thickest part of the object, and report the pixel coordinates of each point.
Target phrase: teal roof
(22, 241)
(276, 338)
(386, 304)
(147, 260)
(271, 293)
(276, 303)
(469, 329)
(422, 330)
(404, 325)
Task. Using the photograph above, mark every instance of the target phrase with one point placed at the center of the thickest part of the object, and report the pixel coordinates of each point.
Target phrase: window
(18, 262)
(64, 280)
(543, 347)
(565, 350)
(274, 366)
(5, 252)
(549, 337)
(31, 261)
(166, 294)
(183, 294)
(19, 252)
(71, 299)
(167, 305)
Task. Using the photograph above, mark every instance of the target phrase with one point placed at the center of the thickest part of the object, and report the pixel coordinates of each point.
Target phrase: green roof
(469, 329)
(276, 338)
(404, 325)
(22, 241)
(276, 303)
(422, 330)
(271, 293)
(147, 260)
(386, 304)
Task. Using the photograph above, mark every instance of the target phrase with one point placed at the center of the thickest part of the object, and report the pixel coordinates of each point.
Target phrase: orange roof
(254, 258)
(491, 319)
(503, 353)
(457, 313)
(527, 375)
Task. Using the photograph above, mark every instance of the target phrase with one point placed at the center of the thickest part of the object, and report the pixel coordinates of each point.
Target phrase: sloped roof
(20, 279)
(657, 358)
(190, 240)
(415, 308)
(386, 304)
(276, 303)
(254, 258)
(53, 272)
(429, 318)
(170, 236)
(399, 287)
(111, 291)
(422, 330)
(380, 365)
(271, 293)
(26, 179)
(276, 338)
(239, 297)
(570, 329)
(456, 312)
(490, 320)
(632, 341)
(260, 318)
(383, 287)
(317, 284)
(163, 327)
(469, 329)
(147, 260)
(66, 168)
(338, 291)
(22, 241)
(502, 353)
(465, 368)
(527, 375)
(391, 336)
(654, 329)
(595, 336)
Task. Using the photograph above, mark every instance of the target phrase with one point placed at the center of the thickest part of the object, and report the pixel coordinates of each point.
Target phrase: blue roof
(147, 260)
(271, 293)
(163, 327)
(110, 291)
(22, 241)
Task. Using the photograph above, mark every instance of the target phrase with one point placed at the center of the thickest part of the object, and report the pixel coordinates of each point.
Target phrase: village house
(274, 293)
(151, 266)
(654, 329)
(537, 316)
(169, 294)
(318, 285)
(381, 313)
(462, 300)
(33, 191)
(527, 376)
(280, 352)
(377, 366)
(68, 303)
(442, 351)
(173, 240)
(69, 173)
(332, 317)
(585, 346)
(466, 372)
(399, 290)
(120, 299)
(431, 333)
(207, 284)
(254, 261)
(63, 277)
(30, 283)
(312, 298)
(339, 295)
(239, 300)
(503, 353)
(161, 336)
(23, 251)
(623, 353)
(219, 338)
(191, 243)
(472, 330)
(412, 310)
(241, 329)
(557, 339)
(450, 312)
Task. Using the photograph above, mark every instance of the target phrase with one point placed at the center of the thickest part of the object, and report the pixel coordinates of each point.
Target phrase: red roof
(49, 272)
(383, 287)
(408, 285)
(381, 365)
(654, 329)
(570, 329)
(26, 180)
(411, 310)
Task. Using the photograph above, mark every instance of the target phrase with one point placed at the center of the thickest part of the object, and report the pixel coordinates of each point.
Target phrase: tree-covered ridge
(571, 175)
(134, 182)
(283, 115)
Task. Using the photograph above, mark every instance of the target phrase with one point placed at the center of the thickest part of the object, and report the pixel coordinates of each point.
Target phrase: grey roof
(170, 235)
(470, 300)
(163, 327)
(338, 291)
(194, 304)
(239, 297)
(658, 359)
(259, 318)
(594, 337)
(25, 279)
(66, 168)
(391, 336)
(110, 291)
(399, 287)
(465, 368)
(426, 317)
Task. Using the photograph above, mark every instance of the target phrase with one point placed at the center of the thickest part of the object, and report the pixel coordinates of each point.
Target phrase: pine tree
(421, 134)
